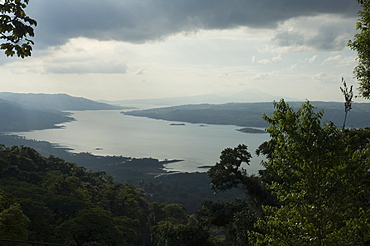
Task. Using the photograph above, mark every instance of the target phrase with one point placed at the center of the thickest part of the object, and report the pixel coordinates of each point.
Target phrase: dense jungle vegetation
(314, 190)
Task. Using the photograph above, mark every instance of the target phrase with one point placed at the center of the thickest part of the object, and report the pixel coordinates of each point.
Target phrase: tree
(16, 28)
(170, 225)
(166, 233)
(234, 218)
(92, 225)
(238, 216)
(13, 223)
(360, 43)
(319, 180)
(229, 173)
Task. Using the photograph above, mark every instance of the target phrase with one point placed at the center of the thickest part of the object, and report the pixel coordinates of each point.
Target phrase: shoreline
(88, 160)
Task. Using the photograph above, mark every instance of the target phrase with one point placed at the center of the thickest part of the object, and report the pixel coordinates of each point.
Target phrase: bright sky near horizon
(135, 49)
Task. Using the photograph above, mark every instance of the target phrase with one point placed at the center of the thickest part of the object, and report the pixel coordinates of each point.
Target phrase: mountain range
(250, 114)
(27, 111)
(250, 95)
(42, 101)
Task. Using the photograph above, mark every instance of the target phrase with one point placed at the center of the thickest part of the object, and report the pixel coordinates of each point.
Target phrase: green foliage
(236, 217)
(187, 189)
(229, 173)
(16, 28)
(13, 223)
(318, 172)
(354, 232)
(91, 225)
(170, 225)
(318, 178)
(360, 43)
(168, 234)
(175, 213)
(65, 204)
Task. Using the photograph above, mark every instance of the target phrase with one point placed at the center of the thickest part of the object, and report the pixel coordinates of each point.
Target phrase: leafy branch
(16, 28)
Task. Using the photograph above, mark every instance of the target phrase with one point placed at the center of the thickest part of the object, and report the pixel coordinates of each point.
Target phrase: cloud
(90, 67)
(78, 56)
(289, 38)
(272, 60)
(253, 59)
(320, 76)
(309, 60)
(262, 76)
(303, 62)
(224, 74)
(340, 60)
(140, 21)
(314, 33)
(323, 79)
(140, 71)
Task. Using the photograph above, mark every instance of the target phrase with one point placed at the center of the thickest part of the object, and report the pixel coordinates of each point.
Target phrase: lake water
(108, 132)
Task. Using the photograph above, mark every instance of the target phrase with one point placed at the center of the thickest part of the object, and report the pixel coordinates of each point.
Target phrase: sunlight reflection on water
(108, 132)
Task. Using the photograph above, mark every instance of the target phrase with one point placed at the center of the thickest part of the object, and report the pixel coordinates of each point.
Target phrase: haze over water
(108, 132)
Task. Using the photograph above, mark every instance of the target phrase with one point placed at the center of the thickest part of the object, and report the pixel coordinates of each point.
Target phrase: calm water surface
(108, 132)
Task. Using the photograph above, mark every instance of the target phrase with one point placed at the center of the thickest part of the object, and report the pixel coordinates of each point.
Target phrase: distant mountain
(254, 95)
(15, 117)
(172, 101)
(250, 95)
(27, 111)
(250, 114)
(55, 102)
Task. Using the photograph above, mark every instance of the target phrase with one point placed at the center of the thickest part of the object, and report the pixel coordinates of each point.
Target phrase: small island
(205, 167)
(250, 130)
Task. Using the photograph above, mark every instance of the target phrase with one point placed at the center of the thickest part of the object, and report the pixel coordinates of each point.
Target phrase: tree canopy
(320, 178)
(360, 43)
(16, 28)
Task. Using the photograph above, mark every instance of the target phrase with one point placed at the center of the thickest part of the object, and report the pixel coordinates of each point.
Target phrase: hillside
(25, 112)
(55, 101)
(250, 114)
(146, 173)
(47, 200)
(57, 202)
(15, 117)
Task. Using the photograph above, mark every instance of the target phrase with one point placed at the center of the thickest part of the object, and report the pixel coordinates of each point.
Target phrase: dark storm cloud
(289, 38)
(145, 20)
(321, 34)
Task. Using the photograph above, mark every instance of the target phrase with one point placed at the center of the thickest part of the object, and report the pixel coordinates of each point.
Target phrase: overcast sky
(129, 49)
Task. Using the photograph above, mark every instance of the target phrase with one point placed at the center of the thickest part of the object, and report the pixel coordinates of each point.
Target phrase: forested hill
(250, 114)
(54, 201)
(24, 112)
(55, 101)
(15, 117)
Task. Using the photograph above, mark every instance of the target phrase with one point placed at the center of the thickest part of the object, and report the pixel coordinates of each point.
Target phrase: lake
(108, 132)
